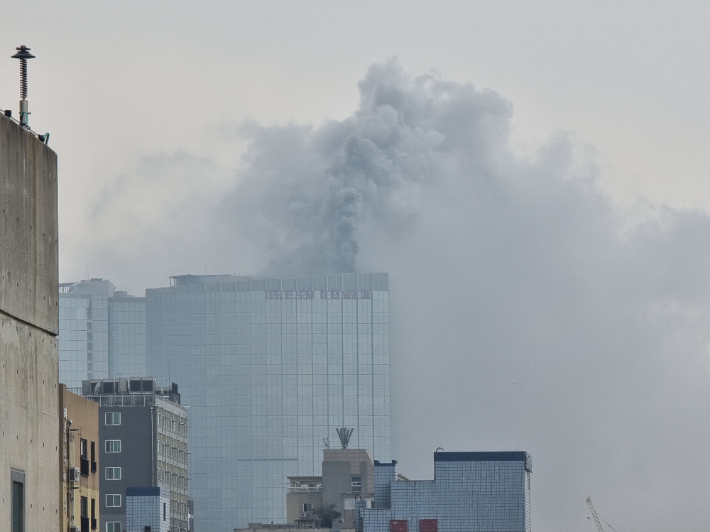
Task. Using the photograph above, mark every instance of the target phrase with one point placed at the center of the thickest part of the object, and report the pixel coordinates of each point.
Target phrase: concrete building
(273, 366)
(143, 444)
(101, 332)
(29, 419)
(471, 492)
(348, 474)
(78, 462)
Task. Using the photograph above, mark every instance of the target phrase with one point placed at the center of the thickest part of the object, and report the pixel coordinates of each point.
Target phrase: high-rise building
(270, 367)
(101, 332)
(83, 331)
(126, 336)
(471, 492)
(143, 443)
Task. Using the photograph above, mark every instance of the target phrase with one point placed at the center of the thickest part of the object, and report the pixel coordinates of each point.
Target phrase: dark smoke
(528, 310)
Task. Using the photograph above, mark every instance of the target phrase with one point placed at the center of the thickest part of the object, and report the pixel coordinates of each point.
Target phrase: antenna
(23, 54)
(344, 435)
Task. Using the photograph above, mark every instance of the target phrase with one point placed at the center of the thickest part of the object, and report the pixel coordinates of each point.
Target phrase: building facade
(471, 492)
(273, 366)
(78, 462)
(101, 332)
(83, 331)
(126, 336)
(143, 444)
(29, 404)
(147, 509)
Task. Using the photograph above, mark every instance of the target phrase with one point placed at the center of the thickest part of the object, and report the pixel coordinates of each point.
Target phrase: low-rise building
(78, 462)
(348, 474)
(471, 491)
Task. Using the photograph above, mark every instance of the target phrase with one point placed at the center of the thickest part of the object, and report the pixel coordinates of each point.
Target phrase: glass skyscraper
(126, 336)
(270, 368)
(83, 331)
(101, 332)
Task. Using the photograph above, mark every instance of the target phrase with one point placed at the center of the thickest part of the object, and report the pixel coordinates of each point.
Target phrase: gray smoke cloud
(528, 311)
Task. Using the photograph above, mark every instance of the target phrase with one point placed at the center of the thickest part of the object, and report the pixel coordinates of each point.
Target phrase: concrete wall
(29, 420)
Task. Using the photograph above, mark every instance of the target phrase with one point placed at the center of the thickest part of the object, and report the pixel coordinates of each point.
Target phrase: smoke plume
(528, 311)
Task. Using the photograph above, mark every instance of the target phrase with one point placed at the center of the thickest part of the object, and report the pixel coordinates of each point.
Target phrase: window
(82, 448)
(113, 526)
(18, 501)
(113, 418)
(84, 507)
(428, 525)
(356, 484)
(113, 446)
(165, 512)
(113, 473)
(398, 525)
(307, 506)
(113, 500)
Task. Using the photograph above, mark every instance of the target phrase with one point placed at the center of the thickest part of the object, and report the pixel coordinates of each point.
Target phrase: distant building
(29, 399)
(471, 492)
(126, 336)
(83, 331)
(78, 461)
(101, 332)
(348, 474)
(143, 436)
(272, 366)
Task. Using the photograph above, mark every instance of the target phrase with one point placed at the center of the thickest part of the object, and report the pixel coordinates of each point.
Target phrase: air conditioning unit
(74, 529)
(304, 514)
(74, 474)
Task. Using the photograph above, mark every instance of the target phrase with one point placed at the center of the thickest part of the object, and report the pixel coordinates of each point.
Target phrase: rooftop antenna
(23, 54)
(344, 435)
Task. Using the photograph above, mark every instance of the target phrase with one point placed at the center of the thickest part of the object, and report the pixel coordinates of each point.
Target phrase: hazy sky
(524, 171)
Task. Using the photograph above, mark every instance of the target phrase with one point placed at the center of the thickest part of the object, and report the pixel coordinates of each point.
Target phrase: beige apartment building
(78, 462)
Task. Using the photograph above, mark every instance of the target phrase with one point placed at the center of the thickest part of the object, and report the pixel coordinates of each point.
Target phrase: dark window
(93, 451)
(428, 525)
(398, 525)
(18, 501)
(85, 514)
(165, 512)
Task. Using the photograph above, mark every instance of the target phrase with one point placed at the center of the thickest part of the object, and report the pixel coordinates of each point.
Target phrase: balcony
(305, 489)
(93, 466)
(84, 467)
(85, 524)
(94, 524)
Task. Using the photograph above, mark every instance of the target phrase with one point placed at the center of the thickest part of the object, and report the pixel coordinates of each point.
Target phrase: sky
(532, 176)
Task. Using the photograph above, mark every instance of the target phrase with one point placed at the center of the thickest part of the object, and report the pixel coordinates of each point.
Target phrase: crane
(594, 514)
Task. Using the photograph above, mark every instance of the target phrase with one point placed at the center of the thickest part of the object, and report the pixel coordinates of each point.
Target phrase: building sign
(290, 294)
(345, 294)
(324, 294)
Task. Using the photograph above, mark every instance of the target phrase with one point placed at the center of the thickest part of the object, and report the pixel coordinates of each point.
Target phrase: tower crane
(594, 514)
